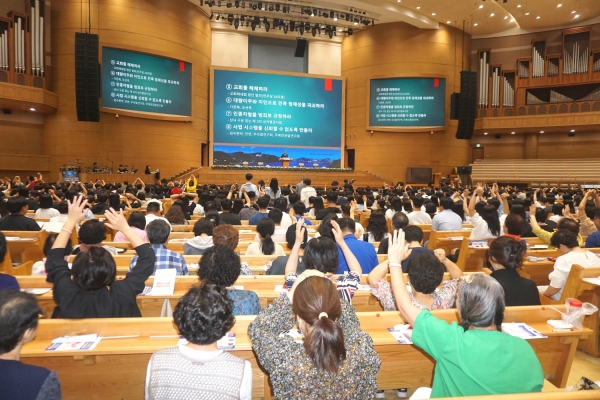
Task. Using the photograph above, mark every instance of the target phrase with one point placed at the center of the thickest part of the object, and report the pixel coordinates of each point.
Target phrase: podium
(285, 162)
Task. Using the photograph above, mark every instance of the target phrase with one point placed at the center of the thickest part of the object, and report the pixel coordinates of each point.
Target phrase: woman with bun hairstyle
(334, 360)
(506, 255)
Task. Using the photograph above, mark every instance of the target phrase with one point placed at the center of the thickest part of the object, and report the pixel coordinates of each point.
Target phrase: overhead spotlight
(260, 5)
(229, 5)
(211, 16)
(253, 25)
(285, 27)
(314, 11)
(301, 29)
(355, 21)
(237, 3)
(347, 17)
(219, 3)
(254, 6)
(366, 22)
(268, 24)
(350, 31)
(373, 22)
(270, 7)
(218, 17)
(325, 14)
(201, 3)
(330, 33)
(335, 17)
(243, 4)
(292, 26)
(236, 23)
(230, 19)
(314, 31)
(277, 7)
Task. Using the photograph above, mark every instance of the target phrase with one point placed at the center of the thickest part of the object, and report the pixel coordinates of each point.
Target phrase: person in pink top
(137, 221)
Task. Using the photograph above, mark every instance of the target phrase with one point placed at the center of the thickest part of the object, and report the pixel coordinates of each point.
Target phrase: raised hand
(77, 209)
(337, 232)
(116, 220)
(300, 228)
(398, 249)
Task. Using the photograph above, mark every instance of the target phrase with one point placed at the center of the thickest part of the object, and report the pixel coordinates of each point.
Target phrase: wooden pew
(436, 236)
(28, 247)
(117, 367)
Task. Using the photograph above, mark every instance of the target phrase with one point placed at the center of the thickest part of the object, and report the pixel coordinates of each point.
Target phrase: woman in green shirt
(475, 357)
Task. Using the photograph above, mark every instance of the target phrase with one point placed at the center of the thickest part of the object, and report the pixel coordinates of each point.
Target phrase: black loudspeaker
(301, 44)
(464, 170)
(454, 105)
(467, 110)
(87, 77)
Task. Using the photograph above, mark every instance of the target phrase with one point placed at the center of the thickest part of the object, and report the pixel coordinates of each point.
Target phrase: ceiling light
(538, 17)
(475, 24)
(418, 8)
(512, 133)
(526, 13)
(512, 20)
(32, 109)
(506, 17)
(432, 13)
(492, 14)
(576, 16)
(519, 6)
(481, 6)
(573, 12)
(572, 130)
(399, 1)
(541, 131)
(448, 22)
(485, 133)
(559, 5)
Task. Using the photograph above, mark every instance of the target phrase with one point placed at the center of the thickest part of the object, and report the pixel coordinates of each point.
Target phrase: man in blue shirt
(593, 240)
(447, 220)
(263, 212)
(158, 234)
(363, 251)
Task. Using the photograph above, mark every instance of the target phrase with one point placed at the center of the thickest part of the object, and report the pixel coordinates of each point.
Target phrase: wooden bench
(28, 247)
(117, 367)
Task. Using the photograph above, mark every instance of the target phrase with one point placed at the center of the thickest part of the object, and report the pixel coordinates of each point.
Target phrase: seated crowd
(334, 357)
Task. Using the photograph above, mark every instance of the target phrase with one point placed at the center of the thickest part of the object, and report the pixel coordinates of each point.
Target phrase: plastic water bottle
(574, 314)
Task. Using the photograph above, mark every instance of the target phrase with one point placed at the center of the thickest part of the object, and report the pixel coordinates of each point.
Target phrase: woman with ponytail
(506, 255)
(266, 246)
(334, 359)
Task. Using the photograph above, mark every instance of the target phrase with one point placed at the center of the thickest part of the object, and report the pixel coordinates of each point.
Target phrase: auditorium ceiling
(482, 18)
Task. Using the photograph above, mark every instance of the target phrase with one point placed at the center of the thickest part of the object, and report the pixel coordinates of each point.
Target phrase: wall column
(531, 146)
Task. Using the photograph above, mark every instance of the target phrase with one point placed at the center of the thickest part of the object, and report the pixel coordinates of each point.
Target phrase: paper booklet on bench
(164, 282)
(402, 333)
(82, 342)
(522, 331)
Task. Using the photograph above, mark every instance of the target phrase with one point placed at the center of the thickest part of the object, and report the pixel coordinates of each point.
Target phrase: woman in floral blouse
(425, 273)
(335, 360)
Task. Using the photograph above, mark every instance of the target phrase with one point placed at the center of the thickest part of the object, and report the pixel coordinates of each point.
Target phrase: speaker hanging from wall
(467, 109)
(301, 44)
(87, 77)
(454, 106)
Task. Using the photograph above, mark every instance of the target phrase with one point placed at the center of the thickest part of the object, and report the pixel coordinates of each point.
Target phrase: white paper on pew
(67, 343)
(280, 289)
(478, 244)
(593, 281)
(40, 223)
(36, 291)
(522, 331)
(364, 287)
(9, 238)
(403, 336)
(455, 238)
(245, 231)
(236, 287)
(178, 240)
(164, 282)
(227, 342)
(147, 291)
(539, 247)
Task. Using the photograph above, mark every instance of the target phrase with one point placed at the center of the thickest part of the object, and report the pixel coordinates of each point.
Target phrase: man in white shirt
(447, 220)
(417, 216)
(152, 211)
(250, 187)
(307, 192)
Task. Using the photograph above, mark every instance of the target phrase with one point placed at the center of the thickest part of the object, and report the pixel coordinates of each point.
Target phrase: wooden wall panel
(399, 48)
(171, 28)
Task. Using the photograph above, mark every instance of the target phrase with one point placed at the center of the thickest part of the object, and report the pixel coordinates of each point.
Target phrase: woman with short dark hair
(137, 222)
(506, 255)
(221, 266)
(199, 369)
(335, 359)
(202, 240)
(46, 210)
(90, 288)
(461, 350)
(175, 215)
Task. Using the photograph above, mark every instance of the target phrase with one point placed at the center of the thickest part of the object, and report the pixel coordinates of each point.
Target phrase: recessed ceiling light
(448, 22)
(526, 13)
(481, 6)
(506, 17)
(538, 17)
(572, 130)
(541, 131)
(512, 133)
(418, 8)
(519, 6)
(573, 12)
(512, 20)
(576, 16)
(32, 109)
(559, 5)
(485, 133)
(492, 14)
(475, 24)
(432, 13)
(399, 1)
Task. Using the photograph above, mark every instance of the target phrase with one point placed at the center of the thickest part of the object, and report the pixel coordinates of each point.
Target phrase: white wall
(229, 49)
(325, 57)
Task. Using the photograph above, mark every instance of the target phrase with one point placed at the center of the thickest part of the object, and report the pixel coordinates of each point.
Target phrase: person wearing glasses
(460, 349)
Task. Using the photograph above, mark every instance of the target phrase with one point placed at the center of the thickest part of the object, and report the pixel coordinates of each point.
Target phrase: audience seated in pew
(321, 258)
(39, 268)
(484, 217)
(446, 220)
(227, 235)
(566, 242)
(202, 240)
(154, 211)
(89, 290)
(158, 234)
(221, 266)
(565, 223)
(425, 273)
(277, 266)
(19, 313)
(506, 255)
(335, 359)
(266, 246)
(377, 229)
(414, 238)
(198, 369)
(399, 221)
(137, 222)
(91, 234)
(6, 281)
(17, 220)
(461, 352)
(589, 215)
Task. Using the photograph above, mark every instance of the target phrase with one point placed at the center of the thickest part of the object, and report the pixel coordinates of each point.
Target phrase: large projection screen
(258, 115)
(145, 85)
(406, 104)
